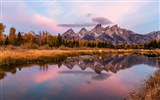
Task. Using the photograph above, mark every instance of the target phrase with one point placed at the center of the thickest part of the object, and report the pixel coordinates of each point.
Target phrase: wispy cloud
(89, 14)
(58, 16)
(44, 22)
(81, 24)
(101, 20)
(93, 22)
(31, 18)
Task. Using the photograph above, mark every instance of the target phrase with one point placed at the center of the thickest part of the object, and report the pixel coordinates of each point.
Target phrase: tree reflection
(43, 67)
(111, 63)
(2, 75)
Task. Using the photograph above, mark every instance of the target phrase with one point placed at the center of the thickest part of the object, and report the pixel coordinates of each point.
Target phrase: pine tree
(7, 41)
(19, 39)
(77, 43)
(59, 42)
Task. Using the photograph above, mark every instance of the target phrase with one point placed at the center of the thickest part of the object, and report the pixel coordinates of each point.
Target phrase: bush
(45, 47)
(30, 46)
(10, 47)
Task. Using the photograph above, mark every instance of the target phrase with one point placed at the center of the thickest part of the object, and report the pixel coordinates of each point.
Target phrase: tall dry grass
(23, 56)
(149, 90)
(16, 56)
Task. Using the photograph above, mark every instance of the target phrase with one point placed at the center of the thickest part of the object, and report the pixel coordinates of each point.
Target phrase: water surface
(85, 77)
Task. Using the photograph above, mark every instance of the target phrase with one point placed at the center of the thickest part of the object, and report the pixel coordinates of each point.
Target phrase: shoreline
(31, 56)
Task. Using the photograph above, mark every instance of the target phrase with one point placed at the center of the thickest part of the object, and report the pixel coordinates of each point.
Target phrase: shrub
(30, 46)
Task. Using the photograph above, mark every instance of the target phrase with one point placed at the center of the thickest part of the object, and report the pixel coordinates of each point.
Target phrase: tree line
(45, 38)
(153, 44)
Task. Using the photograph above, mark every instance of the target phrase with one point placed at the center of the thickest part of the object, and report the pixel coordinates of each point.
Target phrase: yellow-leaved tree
(12, 36)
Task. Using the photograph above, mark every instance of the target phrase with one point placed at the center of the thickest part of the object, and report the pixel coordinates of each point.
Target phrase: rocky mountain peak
(32, 33)
(97, 29)
(106, 28)
(69, 34)
(83, 30)
(154, 34)
(98, 26)
(70, 31)
(114, 27)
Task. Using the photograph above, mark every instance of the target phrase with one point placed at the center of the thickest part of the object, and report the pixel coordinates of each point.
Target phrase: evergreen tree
(19, 39)
(59, 42)
(7, 41)
(77, 43)
(153, 44)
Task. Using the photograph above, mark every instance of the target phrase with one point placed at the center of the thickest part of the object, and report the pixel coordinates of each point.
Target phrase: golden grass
(18, 56)
(22, 56)
(150, 90)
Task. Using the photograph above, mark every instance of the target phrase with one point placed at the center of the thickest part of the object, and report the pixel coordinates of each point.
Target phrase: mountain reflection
(112, 63)
(99, 77)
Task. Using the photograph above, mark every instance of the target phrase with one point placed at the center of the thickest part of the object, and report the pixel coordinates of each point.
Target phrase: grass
(23, 56)
(13, 56)
(149, 90)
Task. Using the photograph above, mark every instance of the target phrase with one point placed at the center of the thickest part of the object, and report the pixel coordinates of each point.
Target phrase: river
(78, 78)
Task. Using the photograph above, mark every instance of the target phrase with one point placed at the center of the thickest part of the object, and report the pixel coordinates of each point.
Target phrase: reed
(22, 56)
(149, 90)
(18, 56)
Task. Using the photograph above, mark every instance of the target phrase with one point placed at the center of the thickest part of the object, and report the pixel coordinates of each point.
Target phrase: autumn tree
(52, 41)
(2, 28)
(12, 35)
(28, 38)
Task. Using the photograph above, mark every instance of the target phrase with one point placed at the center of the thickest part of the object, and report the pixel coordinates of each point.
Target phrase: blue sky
(140, 16)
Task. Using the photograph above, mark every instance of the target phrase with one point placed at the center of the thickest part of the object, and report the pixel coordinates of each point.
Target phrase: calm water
(85, 77)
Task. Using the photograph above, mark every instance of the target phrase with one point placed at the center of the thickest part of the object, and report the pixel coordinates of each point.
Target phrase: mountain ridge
(112, 35)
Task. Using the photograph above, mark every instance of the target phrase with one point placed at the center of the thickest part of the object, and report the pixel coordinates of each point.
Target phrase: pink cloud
(30, 20)
(45, 22)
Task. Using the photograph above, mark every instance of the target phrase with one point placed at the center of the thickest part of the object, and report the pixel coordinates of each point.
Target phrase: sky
(56, 16)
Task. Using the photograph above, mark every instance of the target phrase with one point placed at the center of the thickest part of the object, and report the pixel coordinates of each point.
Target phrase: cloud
(93, 22)
(83, 24)
(44, 22)
(102, 20)
(121, 13)
(88, 15)
(32, 19)
(126, 14)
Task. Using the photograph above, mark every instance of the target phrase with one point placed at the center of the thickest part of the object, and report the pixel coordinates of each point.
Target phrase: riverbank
(9, 57)
(149, 90)
(15, 57)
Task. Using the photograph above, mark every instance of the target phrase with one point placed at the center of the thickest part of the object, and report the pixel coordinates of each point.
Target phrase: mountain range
(112, 35)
